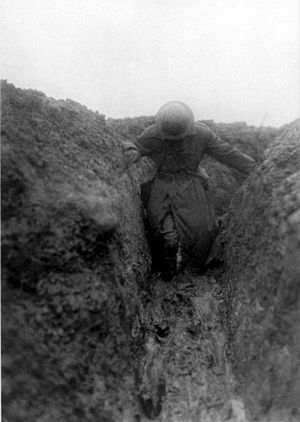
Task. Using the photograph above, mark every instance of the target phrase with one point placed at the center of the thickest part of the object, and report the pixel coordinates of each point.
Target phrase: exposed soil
(89, 333)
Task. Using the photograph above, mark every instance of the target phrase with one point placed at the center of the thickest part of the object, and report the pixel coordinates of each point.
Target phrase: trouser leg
(183, 258)
(170, 241)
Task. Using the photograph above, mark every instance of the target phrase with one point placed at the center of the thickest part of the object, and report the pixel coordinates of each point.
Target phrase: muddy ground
(184, 374)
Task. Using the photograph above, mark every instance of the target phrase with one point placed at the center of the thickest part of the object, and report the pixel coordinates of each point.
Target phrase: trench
(184, 373)
(182, 364)
(87, 335)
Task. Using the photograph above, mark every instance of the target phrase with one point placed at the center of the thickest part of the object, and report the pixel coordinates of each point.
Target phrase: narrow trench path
(184, 374)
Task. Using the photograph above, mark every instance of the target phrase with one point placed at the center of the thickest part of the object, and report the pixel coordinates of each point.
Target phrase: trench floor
(184, 374)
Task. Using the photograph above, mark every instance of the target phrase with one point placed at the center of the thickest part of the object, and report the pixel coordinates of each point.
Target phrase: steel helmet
(175, 120)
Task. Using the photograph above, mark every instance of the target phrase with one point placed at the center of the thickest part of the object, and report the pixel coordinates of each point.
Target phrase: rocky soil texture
(88, 333)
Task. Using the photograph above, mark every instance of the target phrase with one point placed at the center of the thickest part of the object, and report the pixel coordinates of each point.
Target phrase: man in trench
(178, 210)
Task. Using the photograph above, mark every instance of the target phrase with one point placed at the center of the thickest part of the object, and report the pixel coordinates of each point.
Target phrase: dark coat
(178, 184)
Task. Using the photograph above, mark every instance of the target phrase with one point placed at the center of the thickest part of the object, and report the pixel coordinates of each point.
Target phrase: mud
(184, 374)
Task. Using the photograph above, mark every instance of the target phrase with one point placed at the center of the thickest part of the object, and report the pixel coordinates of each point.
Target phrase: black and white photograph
(150, 210)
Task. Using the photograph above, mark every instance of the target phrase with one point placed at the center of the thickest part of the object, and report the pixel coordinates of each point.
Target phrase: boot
(182, 260)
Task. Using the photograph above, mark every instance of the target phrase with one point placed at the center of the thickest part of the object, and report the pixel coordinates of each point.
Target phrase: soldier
(178, 210)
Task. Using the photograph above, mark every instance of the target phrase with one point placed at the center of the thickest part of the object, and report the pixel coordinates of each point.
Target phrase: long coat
(178, 184)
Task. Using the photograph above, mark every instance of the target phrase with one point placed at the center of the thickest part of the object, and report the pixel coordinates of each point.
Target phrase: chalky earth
(89, 332)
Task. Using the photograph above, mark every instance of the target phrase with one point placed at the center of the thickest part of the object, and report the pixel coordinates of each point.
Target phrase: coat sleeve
(227, 154)
(144, 143)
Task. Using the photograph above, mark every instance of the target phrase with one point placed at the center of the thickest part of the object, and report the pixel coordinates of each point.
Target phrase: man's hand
(131, 156)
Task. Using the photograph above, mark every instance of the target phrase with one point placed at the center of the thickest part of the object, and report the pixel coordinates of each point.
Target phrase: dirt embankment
(74, 259)
(88, 333)
(262, 277)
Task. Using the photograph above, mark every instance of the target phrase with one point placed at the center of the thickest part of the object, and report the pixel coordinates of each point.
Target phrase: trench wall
(74, 259)
(262, 279)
